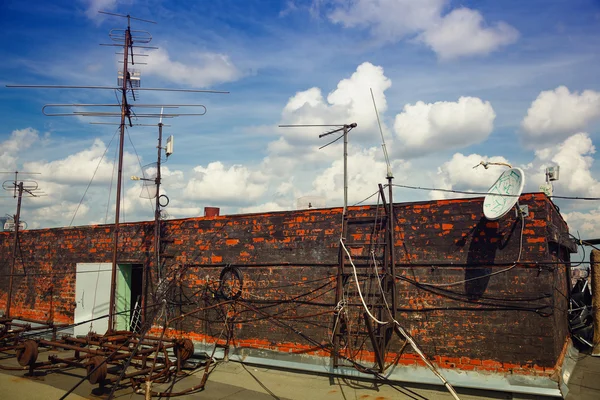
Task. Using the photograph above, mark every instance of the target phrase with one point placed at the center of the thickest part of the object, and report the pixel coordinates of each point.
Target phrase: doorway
(128, 296)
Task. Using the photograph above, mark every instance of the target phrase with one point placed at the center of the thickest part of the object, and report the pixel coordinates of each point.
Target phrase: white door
(92, 297)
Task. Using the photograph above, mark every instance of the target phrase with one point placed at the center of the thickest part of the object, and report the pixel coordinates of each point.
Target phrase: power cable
(91, 180)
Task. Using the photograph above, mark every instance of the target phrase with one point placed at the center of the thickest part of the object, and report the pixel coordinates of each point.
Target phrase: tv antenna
(345, 129)
(28, 188)
(151, 178)
(129, 85)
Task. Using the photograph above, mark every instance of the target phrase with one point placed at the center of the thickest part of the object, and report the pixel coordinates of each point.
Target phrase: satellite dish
(504, 194)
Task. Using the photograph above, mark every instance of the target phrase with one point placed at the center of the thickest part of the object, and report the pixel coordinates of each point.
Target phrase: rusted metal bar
(15, 245)
(374, 342)
(124, 114)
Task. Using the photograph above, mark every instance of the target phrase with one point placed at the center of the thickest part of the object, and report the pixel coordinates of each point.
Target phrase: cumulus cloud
(575, 158)
(79, 168)
(18, 140)
(426, 127)
(234, 185)
(349, 102)
(556, 114)
(461, 32)
(587, 224)
(201, 69)
(458, 173)
(366, 168)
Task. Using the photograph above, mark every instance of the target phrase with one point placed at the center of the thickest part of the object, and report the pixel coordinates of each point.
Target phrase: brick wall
(511, 321)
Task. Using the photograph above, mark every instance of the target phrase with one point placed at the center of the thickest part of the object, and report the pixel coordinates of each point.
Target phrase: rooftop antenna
(389, 174)
(30, 189)
(345, 128)
(129, 84)
(155, 194)
(390, 265)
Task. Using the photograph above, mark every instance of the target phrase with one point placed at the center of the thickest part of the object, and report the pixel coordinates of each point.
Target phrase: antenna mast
(128, 84)
(27, 187)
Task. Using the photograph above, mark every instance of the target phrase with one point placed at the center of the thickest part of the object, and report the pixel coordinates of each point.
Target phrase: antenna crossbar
(127, 16)
(114, 88)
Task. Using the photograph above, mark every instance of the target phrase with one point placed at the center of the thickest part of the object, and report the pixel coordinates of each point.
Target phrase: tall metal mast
(30, 188)
(128, 84)
(124, 114)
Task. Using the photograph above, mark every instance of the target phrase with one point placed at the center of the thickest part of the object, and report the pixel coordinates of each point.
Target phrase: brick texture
(511, 322)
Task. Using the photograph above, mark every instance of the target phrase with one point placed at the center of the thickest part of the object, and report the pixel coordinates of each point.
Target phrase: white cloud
(235, 185)
(349, 102)
(366, 167)
(199, 70)
(462, 32)
(458, 173)
(388, 20)
(427, 127)
(556, 114)
(79, 167)
(575, 158)
(587, 224)
(265, 207)
(19, 140)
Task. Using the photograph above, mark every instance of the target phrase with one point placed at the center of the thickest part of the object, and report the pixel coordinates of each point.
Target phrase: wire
(486, 193)
(91, 180)
(400, 329)
(576, 198)
(139, 162)
(452, 190)
(365, 199)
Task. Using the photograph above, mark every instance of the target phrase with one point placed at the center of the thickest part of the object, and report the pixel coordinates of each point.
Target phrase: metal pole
(345, 168)
(17, 218)
(124, 113)
(595, 286)
(391, 236)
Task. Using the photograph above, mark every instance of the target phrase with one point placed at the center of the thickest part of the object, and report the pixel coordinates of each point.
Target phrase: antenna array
(126, 111)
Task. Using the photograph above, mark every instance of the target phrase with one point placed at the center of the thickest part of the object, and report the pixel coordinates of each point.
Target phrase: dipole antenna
(128, 84)
(30, 189)
(345, 128)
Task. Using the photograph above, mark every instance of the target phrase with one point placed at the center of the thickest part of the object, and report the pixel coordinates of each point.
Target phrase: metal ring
(165, 198)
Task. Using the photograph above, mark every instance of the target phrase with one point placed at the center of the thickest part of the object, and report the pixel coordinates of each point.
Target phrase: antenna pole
(16, 218)
(157, 207)
(392, 239)
(124, 114)
(345, 169)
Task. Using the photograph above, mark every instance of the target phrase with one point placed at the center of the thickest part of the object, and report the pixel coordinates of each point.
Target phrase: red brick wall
(480, 325)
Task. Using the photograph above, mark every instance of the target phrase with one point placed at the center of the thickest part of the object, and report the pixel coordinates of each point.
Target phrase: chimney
(211, 211)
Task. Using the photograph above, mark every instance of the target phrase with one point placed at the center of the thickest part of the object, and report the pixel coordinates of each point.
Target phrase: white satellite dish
(504, 194)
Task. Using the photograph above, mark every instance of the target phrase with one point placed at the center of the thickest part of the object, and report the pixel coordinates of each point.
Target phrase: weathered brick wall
(513, 320)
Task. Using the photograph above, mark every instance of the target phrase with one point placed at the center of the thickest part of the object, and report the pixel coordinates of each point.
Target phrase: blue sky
(455, 83)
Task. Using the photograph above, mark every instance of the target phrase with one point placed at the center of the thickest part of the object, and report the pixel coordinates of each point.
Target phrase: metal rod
(124, 114)
(345, 168)
(15, 245)
(112, 88)
(391, 237)
(307, 125)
